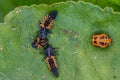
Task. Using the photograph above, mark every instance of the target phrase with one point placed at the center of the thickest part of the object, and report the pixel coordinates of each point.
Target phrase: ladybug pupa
(101, 40)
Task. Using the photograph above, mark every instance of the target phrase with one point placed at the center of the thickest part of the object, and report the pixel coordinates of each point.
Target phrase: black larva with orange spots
(41, 40)
(48, 20)
(50, 59)
(39, 43)
(45, 26)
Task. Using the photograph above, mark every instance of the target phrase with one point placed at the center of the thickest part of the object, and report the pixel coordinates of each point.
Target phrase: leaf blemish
(95, 57)
(72, 33)
(13, 29)
(114, 77)
(44, 77)
(74, 52)
(1, 48)
(18, 69)
(18, 11)
(65, 31)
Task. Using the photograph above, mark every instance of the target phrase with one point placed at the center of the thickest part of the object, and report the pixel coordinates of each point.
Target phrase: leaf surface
(72, 31)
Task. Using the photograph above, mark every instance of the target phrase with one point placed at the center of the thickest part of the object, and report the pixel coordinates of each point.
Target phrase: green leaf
(72, 30)
(115, 4)
(8, 5)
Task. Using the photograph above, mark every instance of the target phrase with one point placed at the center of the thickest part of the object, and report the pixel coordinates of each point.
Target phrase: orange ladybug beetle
(101, 40)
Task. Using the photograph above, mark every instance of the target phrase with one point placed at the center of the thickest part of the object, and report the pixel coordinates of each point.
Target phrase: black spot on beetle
(102, 37)
(95, 37)
(95, 42)
(101, 43)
